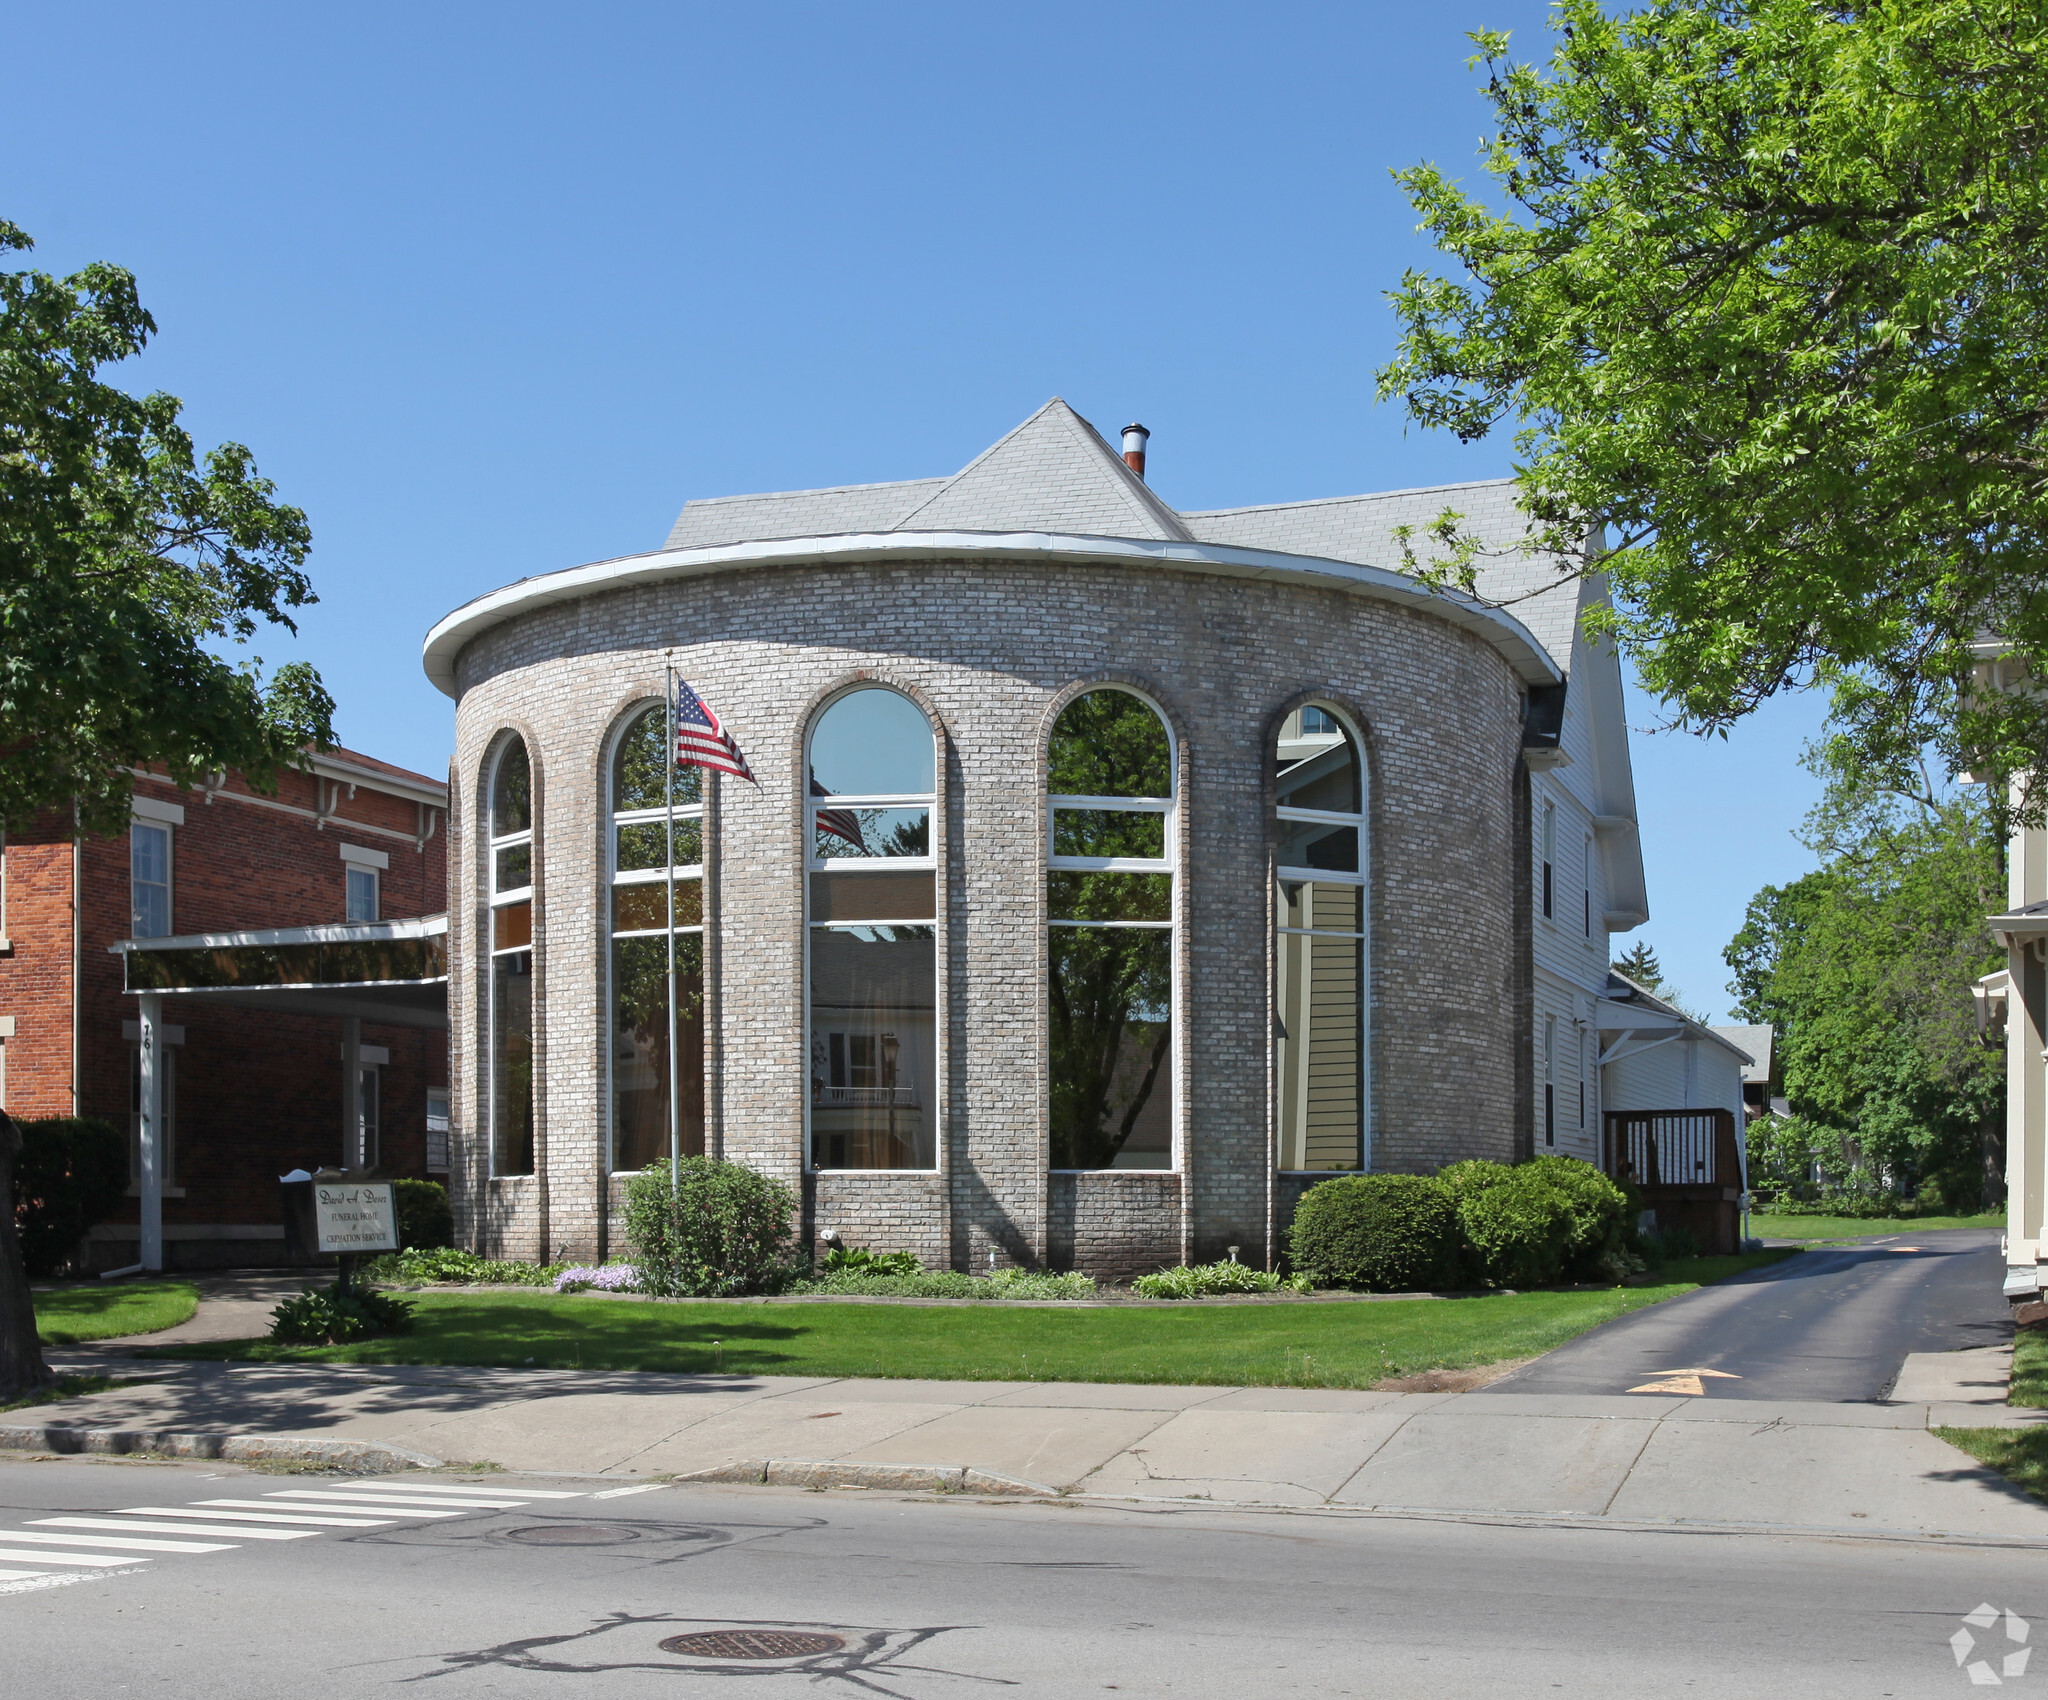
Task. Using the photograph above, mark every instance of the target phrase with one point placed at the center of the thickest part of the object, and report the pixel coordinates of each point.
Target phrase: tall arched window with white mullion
(1109, 945)
(872, 902)
(1323, 952)
(646, 867)
(510, 1063)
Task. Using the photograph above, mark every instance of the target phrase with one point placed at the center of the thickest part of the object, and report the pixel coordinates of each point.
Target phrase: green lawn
(2018, 1454)
(1861, 1228)
(2029, 1370)
(68, 1315)
(1307, 1345)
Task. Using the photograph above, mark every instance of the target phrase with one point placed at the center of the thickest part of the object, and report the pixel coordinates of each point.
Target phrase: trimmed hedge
(425, 1222)
(1379, 1233)
(71, 1175)
(1476, 1223)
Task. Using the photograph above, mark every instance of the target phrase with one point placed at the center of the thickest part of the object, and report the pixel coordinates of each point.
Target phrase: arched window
(1321, 997)
(511, 1012)
(1109, 950)
(873, 934)
(649, 872)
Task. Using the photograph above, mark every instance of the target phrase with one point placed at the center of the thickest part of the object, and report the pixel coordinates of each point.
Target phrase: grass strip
(1308, 1345)
(2029, 1369)
(1863, 1227)
(67, 1316)
(2020, 1455)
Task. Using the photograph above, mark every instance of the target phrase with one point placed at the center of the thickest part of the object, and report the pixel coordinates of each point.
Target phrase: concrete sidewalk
(1635, 1458)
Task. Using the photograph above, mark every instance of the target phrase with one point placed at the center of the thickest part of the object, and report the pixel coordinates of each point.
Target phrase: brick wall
(993, 650)
(257, 1093)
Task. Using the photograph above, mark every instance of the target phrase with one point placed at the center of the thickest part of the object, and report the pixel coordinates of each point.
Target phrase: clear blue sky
(490, 290)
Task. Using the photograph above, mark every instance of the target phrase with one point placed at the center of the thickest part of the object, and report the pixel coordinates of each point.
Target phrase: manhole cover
(752, 1644)
(572, 1535)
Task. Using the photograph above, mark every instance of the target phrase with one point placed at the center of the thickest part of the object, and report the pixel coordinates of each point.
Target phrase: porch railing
(1672, 1148)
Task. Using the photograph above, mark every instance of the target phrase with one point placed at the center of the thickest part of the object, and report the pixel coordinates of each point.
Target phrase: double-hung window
(511, 992)
(657, 884)
(1320, 867)
(149, 880)
(870, 874)
(1110, 818)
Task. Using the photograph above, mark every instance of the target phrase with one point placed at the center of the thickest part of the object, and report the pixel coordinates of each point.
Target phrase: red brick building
(252, 1078)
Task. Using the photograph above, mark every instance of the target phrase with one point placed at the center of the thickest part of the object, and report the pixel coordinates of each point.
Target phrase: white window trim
(815, 864)
(170, 831)
(501, 900)
(615, 877)
(376, 879)
(1362, 879)
(1168, 806)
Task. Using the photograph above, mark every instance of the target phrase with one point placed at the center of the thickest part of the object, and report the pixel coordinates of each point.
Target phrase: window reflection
(510, 1061)
(1320, 999)
(872, 742)
(1109, 946)
(873, 956)
(648, 1030)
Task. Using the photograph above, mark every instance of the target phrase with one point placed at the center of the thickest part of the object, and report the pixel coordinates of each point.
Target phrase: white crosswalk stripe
(9, 1556)
(301, 1512)
(418, 1501)
(137, 1526)
(338, 1520)
(253, 1516)
(122, 1543)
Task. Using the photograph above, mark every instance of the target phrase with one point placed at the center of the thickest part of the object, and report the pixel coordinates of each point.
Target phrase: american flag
(841, 823)
(701, 741)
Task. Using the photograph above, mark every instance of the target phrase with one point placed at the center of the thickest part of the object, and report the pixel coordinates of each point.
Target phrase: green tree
(125, 559)
(1865, 967)
(1761, 295)
(1639, 962)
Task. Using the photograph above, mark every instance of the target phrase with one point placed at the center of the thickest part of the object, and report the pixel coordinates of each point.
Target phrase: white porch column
(151, 1024)
(351, 1090)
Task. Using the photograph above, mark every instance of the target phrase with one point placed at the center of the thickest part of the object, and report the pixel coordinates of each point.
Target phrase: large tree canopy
(1766, 303)
(123, 558)
(1865, 968)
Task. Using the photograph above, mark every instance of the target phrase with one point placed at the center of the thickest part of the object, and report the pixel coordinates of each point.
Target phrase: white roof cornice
(455, 631)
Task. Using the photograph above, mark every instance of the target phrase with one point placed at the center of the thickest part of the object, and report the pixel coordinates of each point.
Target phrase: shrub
(71, 1175)
(724, 1232)
(858, 1260)
(1467, 1180)
(464, 1268)
(1382, 1233)
(1518, 1231)
(948, 1284)
(1664, 1244)
(1600, 1215)
(330, 1316)
(1204, 1278)
(425, 1222)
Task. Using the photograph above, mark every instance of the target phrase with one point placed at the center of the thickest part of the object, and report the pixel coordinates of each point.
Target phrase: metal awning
(394, 973)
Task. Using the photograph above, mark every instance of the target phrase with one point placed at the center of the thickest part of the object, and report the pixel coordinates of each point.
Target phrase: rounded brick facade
(992, 648)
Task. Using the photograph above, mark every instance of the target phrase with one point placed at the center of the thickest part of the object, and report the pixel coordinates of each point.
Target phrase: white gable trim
(454, 632)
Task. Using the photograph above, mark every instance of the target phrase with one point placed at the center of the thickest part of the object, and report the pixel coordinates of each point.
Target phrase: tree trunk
(22, 1369)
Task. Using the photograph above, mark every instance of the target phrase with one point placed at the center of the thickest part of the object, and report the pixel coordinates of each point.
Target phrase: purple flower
(609, 1278)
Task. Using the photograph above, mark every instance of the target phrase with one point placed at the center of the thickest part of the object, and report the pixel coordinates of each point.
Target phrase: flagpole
(668, 881)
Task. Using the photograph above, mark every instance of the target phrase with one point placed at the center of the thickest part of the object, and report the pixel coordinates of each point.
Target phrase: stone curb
(371, 1457)
(921, 1478)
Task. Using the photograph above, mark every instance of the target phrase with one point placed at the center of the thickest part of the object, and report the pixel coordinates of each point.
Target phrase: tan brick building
(1112, 873)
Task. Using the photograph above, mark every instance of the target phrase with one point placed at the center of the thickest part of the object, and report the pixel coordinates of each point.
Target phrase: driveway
(1832, 1325)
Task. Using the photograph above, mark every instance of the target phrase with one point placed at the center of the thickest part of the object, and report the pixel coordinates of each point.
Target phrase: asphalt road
(932, 1599)
(1831, 1325)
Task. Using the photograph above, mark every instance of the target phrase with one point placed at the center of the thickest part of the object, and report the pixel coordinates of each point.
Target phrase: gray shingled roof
(1756, 1040)
(798, 513)
(1056, 473)
(1361, 529)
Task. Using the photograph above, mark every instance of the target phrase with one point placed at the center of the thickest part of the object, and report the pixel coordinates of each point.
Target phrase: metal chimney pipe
(1135, 439)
